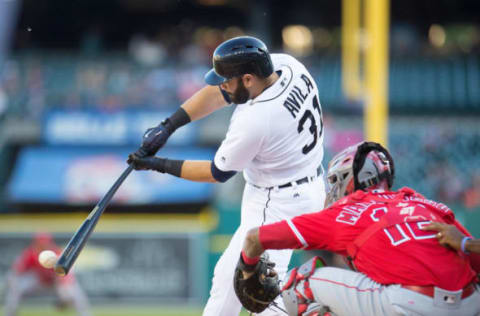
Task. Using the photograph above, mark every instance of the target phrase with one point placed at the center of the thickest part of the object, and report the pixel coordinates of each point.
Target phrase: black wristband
(173, 167)
(178, 119)
(245, 267)
(157, 164)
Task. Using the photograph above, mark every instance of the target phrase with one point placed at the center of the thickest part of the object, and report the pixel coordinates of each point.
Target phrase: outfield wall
(127, 259)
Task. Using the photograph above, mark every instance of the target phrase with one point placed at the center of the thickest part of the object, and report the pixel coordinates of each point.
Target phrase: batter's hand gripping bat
(78, 240)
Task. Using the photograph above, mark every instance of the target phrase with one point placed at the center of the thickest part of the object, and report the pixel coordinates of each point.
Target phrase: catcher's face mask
(361, 166)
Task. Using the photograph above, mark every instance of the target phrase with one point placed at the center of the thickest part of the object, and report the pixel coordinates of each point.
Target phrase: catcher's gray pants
(21, 285)
(349, 293)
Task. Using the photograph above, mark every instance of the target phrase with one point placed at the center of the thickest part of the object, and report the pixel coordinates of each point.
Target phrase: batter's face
(236, 90)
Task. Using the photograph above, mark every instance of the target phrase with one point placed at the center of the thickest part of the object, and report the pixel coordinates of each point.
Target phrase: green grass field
(114, 311)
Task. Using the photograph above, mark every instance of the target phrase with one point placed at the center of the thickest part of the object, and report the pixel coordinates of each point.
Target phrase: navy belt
(299, 181)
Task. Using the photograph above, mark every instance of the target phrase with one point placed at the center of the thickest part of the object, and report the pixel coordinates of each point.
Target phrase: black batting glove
(146, 163)
(155, 138)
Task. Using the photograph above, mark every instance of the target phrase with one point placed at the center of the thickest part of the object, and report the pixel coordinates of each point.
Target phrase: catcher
(398, 268)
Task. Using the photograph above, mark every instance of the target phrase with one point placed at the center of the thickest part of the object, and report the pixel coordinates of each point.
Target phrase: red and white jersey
(395, 251)
(27, 262)
(278, 136)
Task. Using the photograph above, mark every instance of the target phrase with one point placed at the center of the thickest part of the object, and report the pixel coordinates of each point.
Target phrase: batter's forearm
(205, 101)
(197, 170)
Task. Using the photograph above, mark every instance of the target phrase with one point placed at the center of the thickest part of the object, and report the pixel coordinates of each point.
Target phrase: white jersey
(277, 137)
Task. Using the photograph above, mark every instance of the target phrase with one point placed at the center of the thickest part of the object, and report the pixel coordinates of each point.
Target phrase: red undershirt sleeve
(278, 236)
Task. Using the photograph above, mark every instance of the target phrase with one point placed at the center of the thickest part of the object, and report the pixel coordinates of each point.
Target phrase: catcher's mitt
(260, 289)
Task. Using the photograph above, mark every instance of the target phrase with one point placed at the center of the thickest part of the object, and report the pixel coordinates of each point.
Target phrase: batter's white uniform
(276, 139)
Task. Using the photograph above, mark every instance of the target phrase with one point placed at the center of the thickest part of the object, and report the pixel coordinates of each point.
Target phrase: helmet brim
(214, 79)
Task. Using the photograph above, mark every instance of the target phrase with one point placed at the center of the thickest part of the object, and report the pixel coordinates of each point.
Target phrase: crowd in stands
(160, 76)
(437, 156)
(440, 160)
(35, 84)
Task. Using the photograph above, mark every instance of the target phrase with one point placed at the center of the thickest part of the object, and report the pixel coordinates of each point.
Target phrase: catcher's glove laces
(275, 304)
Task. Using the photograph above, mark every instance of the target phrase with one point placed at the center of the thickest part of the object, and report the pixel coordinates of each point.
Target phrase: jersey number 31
(309, 116)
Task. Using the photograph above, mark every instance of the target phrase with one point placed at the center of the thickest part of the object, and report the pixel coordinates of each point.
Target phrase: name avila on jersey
(297, 96)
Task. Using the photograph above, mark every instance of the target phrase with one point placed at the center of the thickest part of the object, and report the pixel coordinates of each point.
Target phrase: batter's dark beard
(241, 95)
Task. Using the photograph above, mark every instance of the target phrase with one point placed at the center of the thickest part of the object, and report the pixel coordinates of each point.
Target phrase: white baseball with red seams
(276, 139)
(47, 259)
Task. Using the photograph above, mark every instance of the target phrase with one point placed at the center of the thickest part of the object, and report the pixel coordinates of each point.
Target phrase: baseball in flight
(47, 259)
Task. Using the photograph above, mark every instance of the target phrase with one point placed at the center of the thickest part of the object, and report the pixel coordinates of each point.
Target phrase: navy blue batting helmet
(239, 56)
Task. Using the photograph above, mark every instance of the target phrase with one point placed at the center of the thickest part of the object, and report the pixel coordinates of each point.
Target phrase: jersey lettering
(316, 106)
(377, 213)
(347, 218)
(313, 130)
(313, 125)
(295, 100)
(308, 83)
(292, 105)
(396, 234)
(437, 205)
(297, 96)
(418, 234)
(407, 210)
(350, 214)
(296, 90)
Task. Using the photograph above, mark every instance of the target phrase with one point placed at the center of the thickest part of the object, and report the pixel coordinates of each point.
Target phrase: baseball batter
(29, 276)
(275, 137)
(402, 269)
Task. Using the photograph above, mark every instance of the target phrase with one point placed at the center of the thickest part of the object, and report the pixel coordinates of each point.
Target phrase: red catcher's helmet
(359, 167)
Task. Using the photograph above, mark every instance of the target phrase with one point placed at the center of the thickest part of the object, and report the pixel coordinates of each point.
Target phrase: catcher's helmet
(239, 56)
(358, 167)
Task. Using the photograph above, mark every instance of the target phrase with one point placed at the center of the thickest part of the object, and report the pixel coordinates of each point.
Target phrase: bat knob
(59, 270)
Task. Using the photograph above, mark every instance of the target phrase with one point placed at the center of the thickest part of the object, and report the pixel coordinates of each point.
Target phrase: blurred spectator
(3, 102)
(27, 276)
(145, 51)
(471, 196)
(404, 39)
(446, 181)
(92, 41)
(35, 80)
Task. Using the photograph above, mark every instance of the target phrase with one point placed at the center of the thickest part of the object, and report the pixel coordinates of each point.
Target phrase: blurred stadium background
(81, 80)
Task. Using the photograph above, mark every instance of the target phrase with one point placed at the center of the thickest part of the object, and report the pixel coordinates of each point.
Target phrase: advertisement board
(82, 175)
(157, 267)
(93, 127)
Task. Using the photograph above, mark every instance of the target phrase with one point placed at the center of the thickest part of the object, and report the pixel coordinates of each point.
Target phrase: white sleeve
(241, 144)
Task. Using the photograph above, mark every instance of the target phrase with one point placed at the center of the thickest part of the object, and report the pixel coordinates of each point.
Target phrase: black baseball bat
(78, 240)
